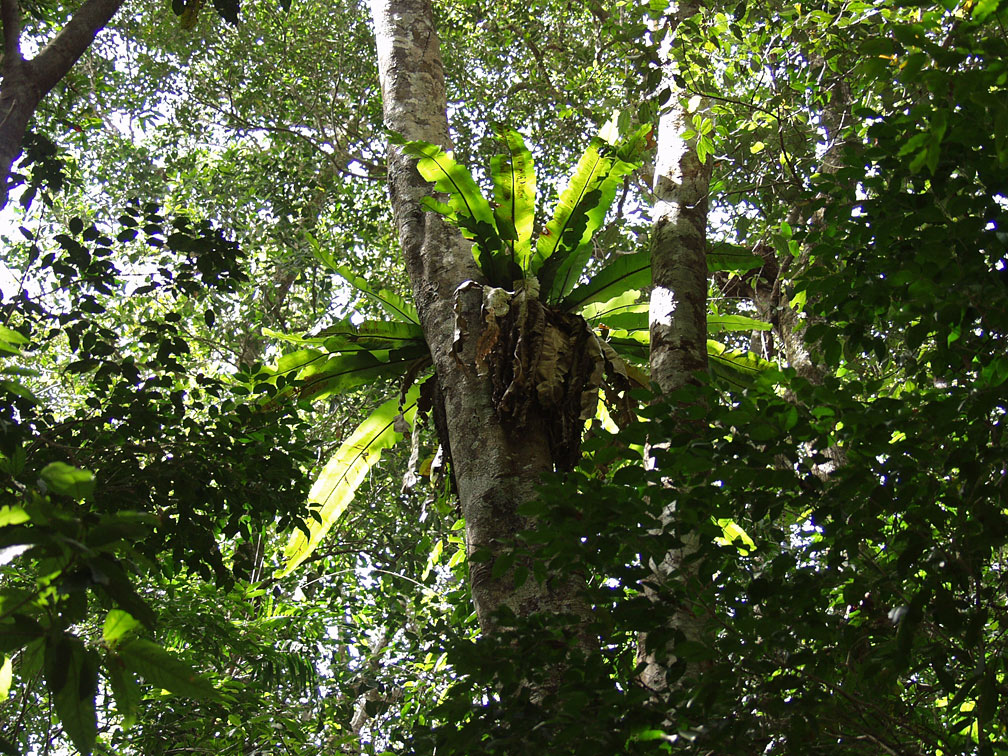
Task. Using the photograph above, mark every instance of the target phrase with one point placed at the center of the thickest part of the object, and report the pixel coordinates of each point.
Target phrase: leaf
(623, 311)
(6, 677)
(12, 515)
(983, 9)
(19, 630)
(118, 624)
(66, 480)
(342, 475)
(389, 301)
(12, 337)
(125, 691)
(738, 369)
(721, 323)
(622, 273)
(514, 179)
(467, 209)
(342, 372)
(727, 256)
(562, 251)
(72, 678)
(293, 362)
(734, 534)
(324, 256)
(373, 334)
(163, 670)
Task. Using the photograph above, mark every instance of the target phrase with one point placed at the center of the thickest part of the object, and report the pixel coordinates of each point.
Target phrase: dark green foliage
(867, 615)
(133, 480)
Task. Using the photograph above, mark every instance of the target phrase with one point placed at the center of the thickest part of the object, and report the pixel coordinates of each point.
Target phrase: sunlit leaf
(467, 208)
(342, 372)
(514, 179)
(342, 475)
(721, 323)
(12, 515)
(735, 368)
(627, 303)
(562, 251)
(67, 480)
(6, 677)
(118, 624)
(622, 273)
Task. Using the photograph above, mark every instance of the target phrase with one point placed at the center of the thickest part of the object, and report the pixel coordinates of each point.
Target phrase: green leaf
(738, 369)
(727, 256)
(66, 480)
(563, 249)
(118, 624)
(163, 670)
(293, 362)
(621, 274)
(467, 208)
(324, 256)
(734, 534)
(389, 301)
(6, 677)
(116, 583)
(13, 338)
(19, 630)
(983, 9)
(514, 179)
(342, 372)
(629, 302)
(125, 690)
(372, 334)
(12, 515)
(72, 678)
(721, 323)
(342, 475)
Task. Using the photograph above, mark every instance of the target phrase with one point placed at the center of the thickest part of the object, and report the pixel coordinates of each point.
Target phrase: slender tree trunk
(678, 309)
(678, 312)
(496, 467)
(26, 82)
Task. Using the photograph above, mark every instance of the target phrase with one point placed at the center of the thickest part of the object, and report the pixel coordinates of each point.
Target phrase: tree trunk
(678, 309)
(496, 467)
(678, 313)
(26, 82)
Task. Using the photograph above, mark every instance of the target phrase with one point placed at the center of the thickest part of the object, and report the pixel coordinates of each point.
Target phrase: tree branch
(26, 83)
(11, 15)
(56, 58)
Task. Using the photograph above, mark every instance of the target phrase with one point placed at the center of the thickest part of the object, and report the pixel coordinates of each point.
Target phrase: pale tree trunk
(678, 311)
(496, 467)
(25, 82)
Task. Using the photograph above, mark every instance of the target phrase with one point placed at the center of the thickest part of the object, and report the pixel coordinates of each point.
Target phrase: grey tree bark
(496, 467)
(25, 82)
(678, 307)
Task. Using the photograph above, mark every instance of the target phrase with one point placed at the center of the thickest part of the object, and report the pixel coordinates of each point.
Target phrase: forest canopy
(481, 377)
